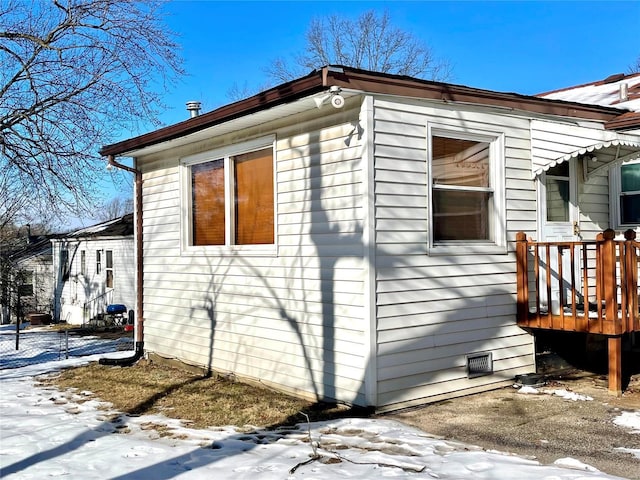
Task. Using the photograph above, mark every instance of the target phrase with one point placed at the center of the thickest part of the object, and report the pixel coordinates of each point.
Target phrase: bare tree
(115, 208)
(635, 67)
(370, 42)
(73, 75)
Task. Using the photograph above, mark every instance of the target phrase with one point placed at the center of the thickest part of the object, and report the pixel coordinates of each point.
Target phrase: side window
(64, 264)
(25, 283)
(629, 199)
(624, 191)
(83, 262)
(465, 189)
(109, 268)
(98, 262)
(232, 200)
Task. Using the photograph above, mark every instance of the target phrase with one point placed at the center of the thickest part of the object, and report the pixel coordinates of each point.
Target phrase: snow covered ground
(46, 433)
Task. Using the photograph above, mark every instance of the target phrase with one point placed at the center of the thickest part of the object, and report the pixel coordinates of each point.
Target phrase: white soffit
(245, 121)
(605, 152)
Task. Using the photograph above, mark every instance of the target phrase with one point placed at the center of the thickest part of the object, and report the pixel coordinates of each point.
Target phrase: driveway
(543, 426)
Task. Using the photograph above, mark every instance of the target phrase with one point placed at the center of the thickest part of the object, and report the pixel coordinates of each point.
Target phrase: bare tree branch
(73, 75)
(370, 42)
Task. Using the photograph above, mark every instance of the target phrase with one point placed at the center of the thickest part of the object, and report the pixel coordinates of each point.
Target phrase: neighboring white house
(30, 275)
(349, 235)
(94, 267)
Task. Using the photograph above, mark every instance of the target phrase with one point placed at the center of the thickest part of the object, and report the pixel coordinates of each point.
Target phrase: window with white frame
(466, 188)
(231, 196)
(109, 269)
(625, 194)
(98, 262)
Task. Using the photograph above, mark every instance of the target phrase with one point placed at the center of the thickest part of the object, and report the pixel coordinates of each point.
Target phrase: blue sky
(523, 47)
(509, 46)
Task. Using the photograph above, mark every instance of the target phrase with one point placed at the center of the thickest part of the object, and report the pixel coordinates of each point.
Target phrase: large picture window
(464, 192)
(232, 199)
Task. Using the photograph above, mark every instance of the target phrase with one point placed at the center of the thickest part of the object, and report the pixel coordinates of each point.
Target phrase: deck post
(522, 270)
(611, 325)
(631, 281)
(615, 365)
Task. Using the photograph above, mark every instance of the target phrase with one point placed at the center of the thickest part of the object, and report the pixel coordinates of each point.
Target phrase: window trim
(497, 156)
(615, 191)
(186, 210)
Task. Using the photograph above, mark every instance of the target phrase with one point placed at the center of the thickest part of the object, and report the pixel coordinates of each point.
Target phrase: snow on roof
(605, 92)
(121, 226)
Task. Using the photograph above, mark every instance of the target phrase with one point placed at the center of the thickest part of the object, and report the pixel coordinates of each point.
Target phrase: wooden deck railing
(589, 287)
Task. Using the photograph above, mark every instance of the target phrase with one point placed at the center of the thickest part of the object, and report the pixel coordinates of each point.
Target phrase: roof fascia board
(283, 93)
(367, 82)
(410, 87)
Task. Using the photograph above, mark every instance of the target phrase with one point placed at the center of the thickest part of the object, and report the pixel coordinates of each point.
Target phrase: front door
(559, 222)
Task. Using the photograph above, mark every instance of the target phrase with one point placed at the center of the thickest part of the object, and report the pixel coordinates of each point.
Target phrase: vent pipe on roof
(624, 92)
(193, 107)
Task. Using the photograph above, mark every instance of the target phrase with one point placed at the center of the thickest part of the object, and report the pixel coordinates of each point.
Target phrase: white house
(94, 267)
(350, 235)
(29, 276)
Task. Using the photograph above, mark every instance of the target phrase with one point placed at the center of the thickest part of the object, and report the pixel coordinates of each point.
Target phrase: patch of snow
(529, 390)
(567, 395)
(633, 451)
(575, 464)
(47, 433)
(629, 420)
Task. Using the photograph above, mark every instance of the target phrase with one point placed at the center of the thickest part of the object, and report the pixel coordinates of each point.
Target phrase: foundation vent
(479, 364)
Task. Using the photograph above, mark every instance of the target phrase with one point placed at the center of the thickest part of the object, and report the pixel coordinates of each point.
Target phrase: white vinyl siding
(293, 318)
(83, 296)
(435, 310)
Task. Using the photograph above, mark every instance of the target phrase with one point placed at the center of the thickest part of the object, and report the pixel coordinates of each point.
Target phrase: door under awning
(594, 157)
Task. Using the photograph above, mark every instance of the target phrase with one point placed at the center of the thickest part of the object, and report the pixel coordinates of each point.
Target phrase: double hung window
(231, 196)
(465, 189)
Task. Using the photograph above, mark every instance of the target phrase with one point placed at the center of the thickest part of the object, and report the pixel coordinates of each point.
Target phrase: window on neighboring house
(630, 194)
(25, 283)
(232, 197)
(64, 264)
(466, 193)
(109, 268)
(83, 262)
(98, 262)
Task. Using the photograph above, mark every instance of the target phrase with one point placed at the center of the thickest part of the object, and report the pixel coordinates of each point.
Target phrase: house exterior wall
(78, 296)
(41, 268)
(294, 318)
(434, 310)
(353, 303)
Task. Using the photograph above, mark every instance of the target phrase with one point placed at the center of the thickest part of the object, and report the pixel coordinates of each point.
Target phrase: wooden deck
(589, 287)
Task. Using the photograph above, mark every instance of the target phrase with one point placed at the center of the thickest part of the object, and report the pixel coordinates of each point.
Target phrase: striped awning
(597, 155)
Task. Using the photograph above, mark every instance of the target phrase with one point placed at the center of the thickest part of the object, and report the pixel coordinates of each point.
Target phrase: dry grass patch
(151, 388)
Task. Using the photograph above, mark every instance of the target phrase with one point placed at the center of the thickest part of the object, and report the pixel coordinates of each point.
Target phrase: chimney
(193, 107)
(624, 92)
